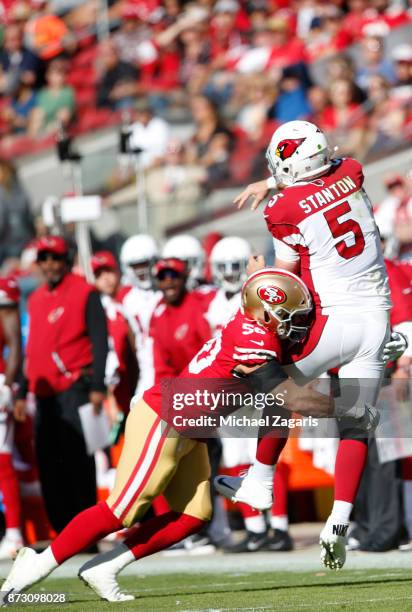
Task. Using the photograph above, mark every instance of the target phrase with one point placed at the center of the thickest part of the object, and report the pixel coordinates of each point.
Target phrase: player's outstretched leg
(256, 487)
(83, 531)
(100, 574)
(350, 461)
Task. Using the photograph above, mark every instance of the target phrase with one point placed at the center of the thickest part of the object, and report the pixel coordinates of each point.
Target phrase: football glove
(395, 347)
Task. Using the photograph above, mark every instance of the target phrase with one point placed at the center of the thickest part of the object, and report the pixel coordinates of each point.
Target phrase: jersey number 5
(342, 228)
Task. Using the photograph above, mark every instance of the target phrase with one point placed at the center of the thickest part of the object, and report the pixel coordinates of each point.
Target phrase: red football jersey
(241, 341)
(327, 225)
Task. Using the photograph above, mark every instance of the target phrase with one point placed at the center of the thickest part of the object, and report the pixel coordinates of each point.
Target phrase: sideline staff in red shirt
(65, 366)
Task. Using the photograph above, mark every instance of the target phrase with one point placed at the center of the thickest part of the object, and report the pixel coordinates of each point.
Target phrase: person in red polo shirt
(65, 366)
(178, 326)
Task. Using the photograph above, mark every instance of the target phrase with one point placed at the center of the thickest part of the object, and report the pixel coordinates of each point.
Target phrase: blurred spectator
(318, 101)
(46, 34)
(341, 67)
(18, 63)
(16, 220)
(118, 85)
(394, 214)
(211, 143)
(149, 134)
(174, 188)
(345, 119)
(55, 103)
(132, 32)
(65, 367)
(253, 114)
(292, 102)
(388, 116)
(327, 34)
(22, 104)
(402, 57)
(372, 62)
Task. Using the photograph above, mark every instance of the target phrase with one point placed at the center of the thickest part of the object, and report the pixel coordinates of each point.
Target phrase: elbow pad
(267, 377)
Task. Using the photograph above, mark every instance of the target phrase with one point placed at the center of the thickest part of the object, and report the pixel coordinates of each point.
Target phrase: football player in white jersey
(323, 228)
(139, 299)
(189, 249)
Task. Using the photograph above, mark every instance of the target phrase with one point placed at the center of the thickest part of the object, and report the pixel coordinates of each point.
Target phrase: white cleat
(9, 548)
(249, 490)
(25, 572)
(332, 542)
(103, 582)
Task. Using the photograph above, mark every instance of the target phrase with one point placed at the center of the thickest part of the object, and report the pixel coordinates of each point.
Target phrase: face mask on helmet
(293, 326)
(229, 275)
(140, 273)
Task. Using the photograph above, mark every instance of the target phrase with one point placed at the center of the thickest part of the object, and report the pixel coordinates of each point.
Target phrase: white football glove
(395, 347)
(365, 417)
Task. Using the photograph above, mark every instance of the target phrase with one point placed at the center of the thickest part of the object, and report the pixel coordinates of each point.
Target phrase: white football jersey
(139, 305)
(221, 309)
(328, 225)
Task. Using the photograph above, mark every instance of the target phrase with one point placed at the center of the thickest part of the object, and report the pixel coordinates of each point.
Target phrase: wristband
(271, 183)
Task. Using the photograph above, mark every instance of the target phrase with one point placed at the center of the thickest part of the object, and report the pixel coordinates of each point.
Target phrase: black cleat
(251, 543)
(280, 541)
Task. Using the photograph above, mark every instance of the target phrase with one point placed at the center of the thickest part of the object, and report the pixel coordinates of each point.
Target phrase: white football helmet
(141, 250)
(228, 261)
(297, 151)
(189, 249)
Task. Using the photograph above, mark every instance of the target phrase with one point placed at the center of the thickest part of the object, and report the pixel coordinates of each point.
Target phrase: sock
(280, 490)
(255, 524)
(85, 529)
(262, 472)
(269, 449)
(279, 522)
(13, 534)
(9, 486)
(161, 532)
(341, 511)
(350, 462)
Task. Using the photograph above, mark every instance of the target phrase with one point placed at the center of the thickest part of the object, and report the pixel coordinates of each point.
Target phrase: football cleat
(332, 542)
(25, 571)
(246, 489)
(253, 542)
(280, 541)
(103, 582)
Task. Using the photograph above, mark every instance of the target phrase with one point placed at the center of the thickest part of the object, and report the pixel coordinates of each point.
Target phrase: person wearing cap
(178, 327)
(121, 365)
(10, 339)
(65, 368)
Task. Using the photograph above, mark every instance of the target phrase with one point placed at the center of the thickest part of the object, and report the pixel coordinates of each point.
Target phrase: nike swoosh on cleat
(222, 481)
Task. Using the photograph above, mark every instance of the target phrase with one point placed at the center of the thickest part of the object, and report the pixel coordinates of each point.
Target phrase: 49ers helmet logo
(286, 148)
(272, 295)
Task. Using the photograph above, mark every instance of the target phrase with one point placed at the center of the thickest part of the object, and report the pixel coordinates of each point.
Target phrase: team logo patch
(181, 331)
(55, 314)
(272, 295)
(286, 148)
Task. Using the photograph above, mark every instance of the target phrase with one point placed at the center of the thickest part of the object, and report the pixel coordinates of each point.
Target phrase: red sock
(350, 462)
(9, 486)
(84, 530)
(269, 449)
(161, 532)
(280, 490)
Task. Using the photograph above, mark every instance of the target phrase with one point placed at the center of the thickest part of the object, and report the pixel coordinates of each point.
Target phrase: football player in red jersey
(323, 229)
(158, 459)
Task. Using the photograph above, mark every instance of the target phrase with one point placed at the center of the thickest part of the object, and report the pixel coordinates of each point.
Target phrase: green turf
(349, 590)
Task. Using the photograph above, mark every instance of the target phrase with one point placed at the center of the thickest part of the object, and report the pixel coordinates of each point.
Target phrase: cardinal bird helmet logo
(286, 148)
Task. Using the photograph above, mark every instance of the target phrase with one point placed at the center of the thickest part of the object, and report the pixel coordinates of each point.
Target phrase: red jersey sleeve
(254, 345)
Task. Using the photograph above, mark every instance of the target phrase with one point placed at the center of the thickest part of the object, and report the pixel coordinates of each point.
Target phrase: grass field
(348, 589)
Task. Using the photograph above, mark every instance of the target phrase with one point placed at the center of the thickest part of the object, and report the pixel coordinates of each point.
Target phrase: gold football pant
(156, 460)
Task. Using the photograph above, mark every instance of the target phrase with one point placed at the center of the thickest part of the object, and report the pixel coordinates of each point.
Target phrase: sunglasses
(163, 274)
(46, 255)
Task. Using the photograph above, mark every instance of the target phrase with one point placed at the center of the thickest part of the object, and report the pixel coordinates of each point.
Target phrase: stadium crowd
(235, 70)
